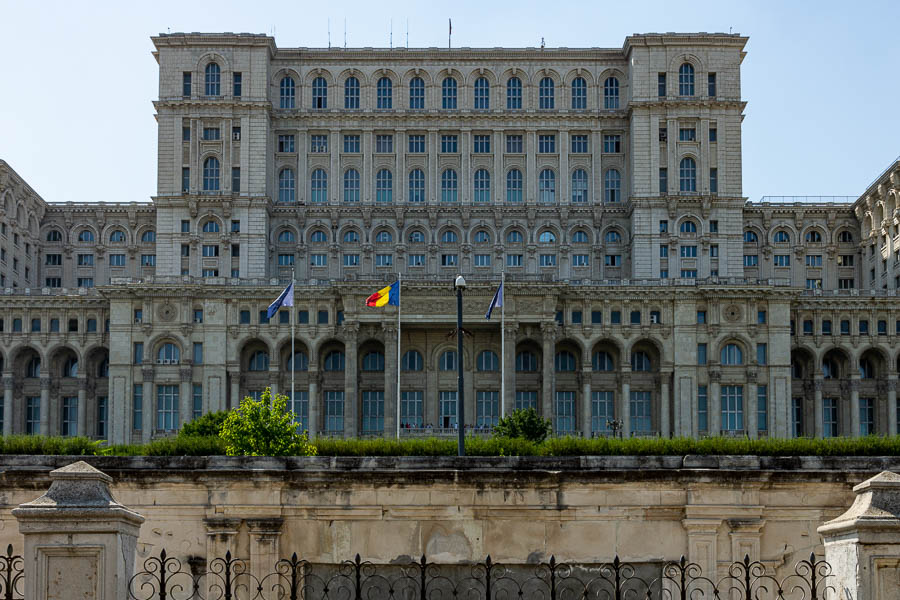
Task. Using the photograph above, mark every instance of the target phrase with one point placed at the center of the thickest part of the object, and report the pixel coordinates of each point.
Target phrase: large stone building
(605, 183)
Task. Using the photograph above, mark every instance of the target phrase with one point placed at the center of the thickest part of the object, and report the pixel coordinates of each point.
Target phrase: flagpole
(399, 307)
(293, 354)
(503, 345)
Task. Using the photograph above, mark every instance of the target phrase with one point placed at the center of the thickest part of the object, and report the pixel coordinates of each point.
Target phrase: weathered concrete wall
(586, 509)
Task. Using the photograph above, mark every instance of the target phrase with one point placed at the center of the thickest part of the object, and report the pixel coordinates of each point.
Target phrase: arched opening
(643, 401)
(567, 375)
(371, 387)
(255, 362)
(606, 364)
(98, 393)
(528, 365)
(332, 363)
(295, 368)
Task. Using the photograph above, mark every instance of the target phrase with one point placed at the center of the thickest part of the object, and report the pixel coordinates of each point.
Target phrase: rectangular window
(813, 260)
(661, 85)
(237, 88)
(148, 260)
(547, 144)
(318, 143)
(350, 260)
(117, 260)
(845, 327)
(663, 181)
(54, 260)
(35, 325)
(303, 317)
(514, 144)
(351, 144)
(235, 179)
(211, 134)
(235, 134)
(689, 273)
(579, 144)
(762, 408)
(576, 317)
(372, 412)
(581, 260)
(287, 260)
(384, 144)
(186, 84)
(548, 260)
(447, 410)
(54, 326)
(525, 400)
(732, 408)
(701, 354)
(689, 252)
(416, 144)
(830, 415)
(17, 325)
(751, 260)
(86, 282)
(807, 327)
(384, 260)
(416, 260)
(286, 143)
(185, 179)
(846, 284)
(687, 134)
(713, 134)
(641, 416)
(322, 317)
(487, 409)
(782, 260)
(32, 415)
(863, 327)
(198, 353)
(866, 416)
(92, 325)
(882, 327)
(845, 260)
(209, 273)
(412, 413)
(299, 406)
(481, 144)
(663, 251)
(635, 317)
(612, 144)
(826, 327)
(185, 134)
(701, 317)
(334, 412)
(196, 401)
(69, 421)
(513, 260)
(702, 409)
(762, 354)
(615, 317)
(85, 260)
(318, 260)
(713, 181)
(797, 417)
(565, 413)
(449, 260)
(613, 260)
(602, 411)
(210, 250)
(482, 260)
(814, 284)
(711, 85)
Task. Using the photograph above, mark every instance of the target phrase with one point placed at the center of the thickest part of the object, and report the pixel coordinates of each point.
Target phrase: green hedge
(494, 446)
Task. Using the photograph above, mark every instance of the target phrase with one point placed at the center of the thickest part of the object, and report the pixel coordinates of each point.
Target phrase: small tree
(524, 423)
(264, 427)
(205, 425)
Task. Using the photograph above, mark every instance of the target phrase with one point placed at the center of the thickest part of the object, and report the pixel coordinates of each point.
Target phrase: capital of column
(45, 383)
(82, 384)
(185, 373)
(7, 381)
(265, 529)
(221, 527)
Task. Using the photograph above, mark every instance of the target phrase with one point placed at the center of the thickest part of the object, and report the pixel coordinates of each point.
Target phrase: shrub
(264, 427)
(524, 423)
(209, 424)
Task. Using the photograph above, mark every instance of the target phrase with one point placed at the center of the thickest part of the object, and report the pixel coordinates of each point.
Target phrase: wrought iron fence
(12, 575)
(165, 578)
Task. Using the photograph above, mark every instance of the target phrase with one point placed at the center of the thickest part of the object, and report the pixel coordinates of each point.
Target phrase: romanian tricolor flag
(385, 296)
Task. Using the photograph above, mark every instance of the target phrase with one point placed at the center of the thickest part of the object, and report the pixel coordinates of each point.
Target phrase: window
(761, 317)
(882, 327)
(85, 235)
(318, 184)
(514, 186)
(545, 94)
(86, 282)
(351, 144)
(513, 93)
(612, 144)
(350, 260)
(782, 260)
(52, 282)
(168, 353)
(687, 134)
(198, 353)
(702, 409)
(612, 185)
(732, 397)
(751, 260)
(565, 413)
(373, 361)
(416, 237)
(781, 237)
(384, 260)
(92, 325)
(416, 93)
(813, 237)
(351, 185)
(55, 260)
(481, 144)
(213, 79)
(286, 143)
(845, 237)
(547, 144)
(167, 407)
(482, 185)
(287, 93)
(866, 416)
(611, 93)
(237, 84)
(449, 144)
(69, 420)
(613, 237)
(449, 260)
(514, 237)
(514, 260)
(318, 237)
(701, 317)
(701, 354)
(689, 252)
(613, 260)
(762, 354)
(447, 361)
(210, 250)
(547, 186)
(148, 260)
(732, 355)
(318, 143)
(411, 361)
(845, 260)
(449, 191)
(351, 93)
(415, 260)
(211, 134)
(416, 143)
(482, 94)
(663, 251)
(525, 400)
(211, 174)
(813, 260)
(384, 93)
(579, 186)
(448, 93)
(641, 416)
(711, 85)
(514, 144)
(686, 80)
(713, 134)
(688, 175)
(750, 237)
(579, 144)
(319, 93)
(384, 186)
(547, 237)
(384, 144)
(186, 83)
(713, 181)
(826, 327)
(814, 284)
(830, 417)
(863, 327)
(640, 361)
(548, 260)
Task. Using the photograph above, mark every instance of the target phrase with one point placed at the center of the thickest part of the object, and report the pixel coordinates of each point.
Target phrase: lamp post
(460, 285)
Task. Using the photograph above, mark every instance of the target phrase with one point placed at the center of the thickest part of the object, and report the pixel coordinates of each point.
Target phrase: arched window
(579, 186)
(687, 175)
(526, 362)
(482, 185)
(318, 237)
(334, 361)
(686, 80)
(602, 361)
(782, 237)
(351, 93)
(612, 187)
(579, 237)
(564, 361)
(449, 237)
(732, 355)
(411, 361)
(213, 79)
(611, 93)
(514, 237)
(259, 361)
(385, 93)
(448, 93)
(750, 237)
(416, 237)
(547, 186)
(351, 237)
(513, 93)
(318, 186)
(547, 237)
(55, 236)
(416, 93)
(487, 361)
(286, 186)
(384, 237)
(85, 235)
(545, 93)
(866, 369)
(448, 186)
(168, 353)
(417, 185)
(148, 237)
(288, 93)
(482, 94)
(210, 226)
(287, 237)
(70, 367)
(830, 369)
(688, 226)
(845, 237)
(447, 361)
(613, 237)
(33, 368)
(373, 361)
(319, 93)
(514, 186)
(384, 186)
(351, 185)
(116, 237)
(482, 237)
(579, 93)
(211, 174)
(813, 237)
(298, 362)
(640, 361)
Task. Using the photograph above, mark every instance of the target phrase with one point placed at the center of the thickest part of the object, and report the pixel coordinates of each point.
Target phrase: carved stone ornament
(167, 312)
(732, 313)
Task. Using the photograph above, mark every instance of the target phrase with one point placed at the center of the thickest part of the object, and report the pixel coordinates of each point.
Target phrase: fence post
(79, 542)
(863, 544)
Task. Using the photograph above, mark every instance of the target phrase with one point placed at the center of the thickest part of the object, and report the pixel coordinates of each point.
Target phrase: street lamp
(460, 285)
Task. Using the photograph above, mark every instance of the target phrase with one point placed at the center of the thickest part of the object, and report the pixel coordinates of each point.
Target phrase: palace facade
(605, 183)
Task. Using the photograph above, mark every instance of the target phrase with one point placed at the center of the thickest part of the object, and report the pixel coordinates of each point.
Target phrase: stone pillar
(148, 407)
(702, 537)
(854, 405)
(8, 405)
(264, 545)
(819, 408)
(664, 426)
(892, 404)
(79, 542)
(548, 338)
(745, 538)
(314, 403)
(185, 397)
(234, 377)
(752, 406)
(45, 406)
(390, 379)
(626, 402)
(714, 404)
(509, 365)
(274, 374)
(352, 404)
(82, 405)
(863, 545)
(221, 533)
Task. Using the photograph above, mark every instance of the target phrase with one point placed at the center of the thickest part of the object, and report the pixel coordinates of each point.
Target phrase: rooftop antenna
(729, 31)
(168, 29)
(345, 33)
(407, 33)
(542, 43)
(329, 33)
(391, 42)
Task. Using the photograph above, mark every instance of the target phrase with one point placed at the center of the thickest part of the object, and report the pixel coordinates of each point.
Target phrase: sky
(77, 78)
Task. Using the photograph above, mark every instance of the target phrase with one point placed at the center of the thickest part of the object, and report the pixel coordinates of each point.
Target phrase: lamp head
(460, 283)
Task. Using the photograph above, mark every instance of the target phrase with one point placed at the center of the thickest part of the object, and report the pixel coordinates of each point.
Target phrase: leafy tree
(205, 425)
(524, 423)
(264, 427)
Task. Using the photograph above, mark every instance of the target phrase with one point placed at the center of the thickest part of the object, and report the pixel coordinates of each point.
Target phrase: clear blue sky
(77, 78)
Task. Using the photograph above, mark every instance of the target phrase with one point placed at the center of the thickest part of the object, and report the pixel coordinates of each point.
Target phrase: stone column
(234, 377)
(702, 537)
(313, 399)
(745, 538)
(82, 405)
(390, 379)
(8, 404)
(752, 406)
(664, 427)
(220, 537)
(351, 389)
(625, 400)
(548, 337)
(586, 400)
(264, 545)
(149, 404)
(854, 405)
(79, 542)
(819, 408)
(714, 404)
(509, 364)
(45, 406)
(892, 404)
(185, 397)
(863, 545)
(274, 373)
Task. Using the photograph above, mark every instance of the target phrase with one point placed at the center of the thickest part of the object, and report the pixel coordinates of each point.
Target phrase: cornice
(61, 208)
(412, 118)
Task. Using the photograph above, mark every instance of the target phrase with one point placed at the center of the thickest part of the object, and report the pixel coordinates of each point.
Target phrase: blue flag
(285, 299)
(497, 301)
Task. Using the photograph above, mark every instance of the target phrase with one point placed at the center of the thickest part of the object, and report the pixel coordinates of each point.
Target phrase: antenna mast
(329, 33)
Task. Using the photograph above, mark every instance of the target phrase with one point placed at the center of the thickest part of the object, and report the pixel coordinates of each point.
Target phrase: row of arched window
(481, 93)
(117, 236)
(812, 236)
(481, 186)
(449, 236)
(69, 368)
